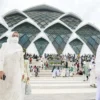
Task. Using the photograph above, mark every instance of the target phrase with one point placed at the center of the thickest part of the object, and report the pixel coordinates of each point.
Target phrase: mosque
(46, 29)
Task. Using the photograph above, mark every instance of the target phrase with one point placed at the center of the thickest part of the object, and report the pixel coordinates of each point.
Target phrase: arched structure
(56, 24)
(13, 18)
(41, 45)
(3, 29)
(27, 33)
(43, 15)
(59, 35)
(3, 40)
(76, 44)
(71, 20)
(91, 36)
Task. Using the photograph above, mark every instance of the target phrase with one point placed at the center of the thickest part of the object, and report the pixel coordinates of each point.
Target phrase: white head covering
(12, 44)
(84, 62)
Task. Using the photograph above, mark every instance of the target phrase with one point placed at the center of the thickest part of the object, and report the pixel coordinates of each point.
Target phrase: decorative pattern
(59, 35)
(27, 33)
(43, 15)
(76, 44)
(14, 18)
(24, 41)
(41, 45)
(91, 36)
(3, 29)
(71, 20)
(4, 39)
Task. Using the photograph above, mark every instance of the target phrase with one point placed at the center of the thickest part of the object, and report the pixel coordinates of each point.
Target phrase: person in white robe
(54, 72)
(12, 65)
(97, 71)
(63, 72)
(26, 73)
(58, 72)
(92, 74)
(85, 71)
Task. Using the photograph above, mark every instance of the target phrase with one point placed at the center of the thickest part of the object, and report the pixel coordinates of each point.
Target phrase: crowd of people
(84, 66)
(16, 68)
(70, 66)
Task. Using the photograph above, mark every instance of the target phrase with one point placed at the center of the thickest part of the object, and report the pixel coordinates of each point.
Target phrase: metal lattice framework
(71, 20)
(59, 35)
(91, 36)
(41, 45)
(76, 44)
(43, 15)
(4, 39)
(27, 33)
(14, 18)
(3, 29)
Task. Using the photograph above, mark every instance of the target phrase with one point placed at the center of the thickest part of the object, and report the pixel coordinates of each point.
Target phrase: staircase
(45, 73)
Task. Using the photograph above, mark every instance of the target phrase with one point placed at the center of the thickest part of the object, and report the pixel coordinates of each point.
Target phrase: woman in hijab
(12, 66)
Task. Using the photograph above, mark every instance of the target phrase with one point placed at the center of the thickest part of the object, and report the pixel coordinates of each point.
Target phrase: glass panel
(71, 21)
(59, 35)
(26, 44)
(13, 19)
(2, 29)
(41, 45)
(76, 44)
(23, 39)
(90, 35)
(43, 18)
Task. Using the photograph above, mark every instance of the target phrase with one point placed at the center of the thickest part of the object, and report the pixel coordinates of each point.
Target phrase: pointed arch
(41, 45)
(90, 35)
(59, 35)
(76, 44)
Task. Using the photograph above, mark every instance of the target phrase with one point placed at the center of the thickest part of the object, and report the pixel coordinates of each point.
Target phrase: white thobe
(58, 72)
(12, 64)
(54, 73)
(97, 70)
(92, 74)
(26, 75)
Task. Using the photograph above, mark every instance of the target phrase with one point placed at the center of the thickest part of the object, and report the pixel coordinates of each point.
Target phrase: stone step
(70, 85)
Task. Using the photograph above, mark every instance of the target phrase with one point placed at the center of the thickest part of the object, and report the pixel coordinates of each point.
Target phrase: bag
(27, 89)
(4, 77)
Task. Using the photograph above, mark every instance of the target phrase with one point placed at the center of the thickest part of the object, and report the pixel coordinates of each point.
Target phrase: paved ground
(72, 88)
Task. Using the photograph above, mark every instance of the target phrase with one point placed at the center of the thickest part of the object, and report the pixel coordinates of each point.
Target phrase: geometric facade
(43, 15)
(41, 45)
(76, 44)
(56, 24)
(3, 40)
(24, 41)
(91, 36)
(71, 20)
(3, 29)
(59, 35)
(27, 33)
(14, 18)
